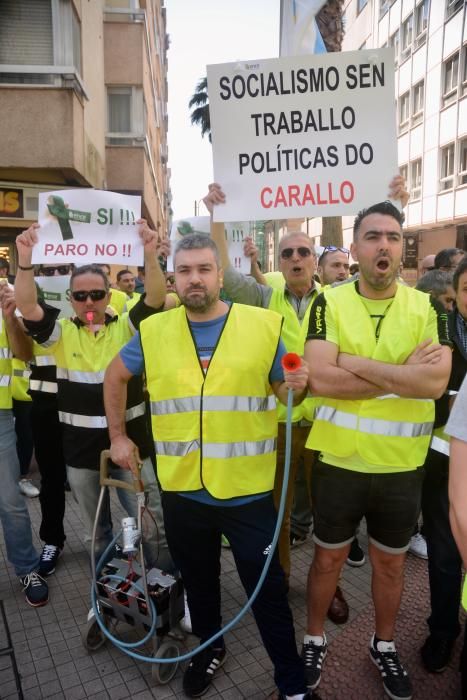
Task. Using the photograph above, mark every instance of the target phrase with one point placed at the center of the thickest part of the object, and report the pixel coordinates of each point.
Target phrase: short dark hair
(120, 274)
(443, 258)
(386, 208)
(92, 269)
(4, 263)
(434, 282)
(461, 268)
(198, 241)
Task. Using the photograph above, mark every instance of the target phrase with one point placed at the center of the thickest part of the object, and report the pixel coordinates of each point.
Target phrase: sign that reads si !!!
(86, 226)
(303, 136)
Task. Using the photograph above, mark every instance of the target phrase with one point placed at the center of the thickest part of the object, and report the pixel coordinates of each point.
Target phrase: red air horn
(291, 361)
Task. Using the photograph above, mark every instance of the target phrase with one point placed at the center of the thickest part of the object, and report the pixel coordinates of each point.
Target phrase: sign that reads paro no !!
(303, 136)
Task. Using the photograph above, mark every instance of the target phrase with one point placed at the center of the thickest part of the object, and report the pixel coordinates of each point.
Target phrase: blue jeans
(14, 514)
(85, 485)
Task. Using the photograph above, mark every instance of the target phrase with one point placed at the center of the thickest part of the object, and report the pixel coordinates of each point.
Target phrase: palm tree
(200, 115)
(331, 27)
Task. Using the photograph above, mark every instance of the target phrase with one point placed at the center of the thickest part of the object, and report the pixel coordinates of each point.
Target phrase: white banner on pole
(303, 136)
(235, 234)
(86, 226)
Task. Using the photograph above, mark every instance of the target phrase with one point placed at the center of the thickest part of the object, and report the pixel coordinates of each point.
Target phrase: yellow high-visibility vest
(389, 430)
(294, 336)
(6, 357)
(215, 430)
(20, 380)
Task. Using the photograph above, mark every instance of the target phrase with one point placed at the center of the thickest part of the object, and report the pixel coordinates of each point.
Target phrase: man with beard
(379, 354)
(212, 382)
(333, 265)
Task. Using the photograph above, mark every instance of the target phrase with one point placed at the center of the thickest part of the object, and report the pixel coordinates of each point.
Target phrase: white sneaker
(185, 622)
(28, 489)
(417, 546)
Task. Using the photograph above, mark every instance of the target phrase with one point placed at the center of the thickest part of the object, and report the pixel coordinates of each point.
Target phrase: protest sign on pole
(86, 226)
(235, 234)
(303, 135)
(56, 292)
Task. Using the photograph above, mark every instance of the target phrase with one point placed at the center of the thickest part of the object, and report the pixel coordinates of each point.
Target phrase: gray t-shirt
(457, 423)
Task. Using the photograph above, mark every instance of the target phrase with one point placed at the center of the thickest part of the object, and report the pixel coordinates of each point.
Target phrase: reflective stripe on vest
(216, 450)
(79, 421)
(5, 380)
(22, 373)
(74, 375)
(372, 426)
(213, 403)
(440, 445)
(41, 385)
(44, 360)
(6, 354)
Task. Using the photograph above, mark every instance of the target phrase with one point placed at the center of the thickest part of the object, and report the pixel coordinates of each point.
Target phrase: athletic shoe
(417, 546)
(28, 489)
(35, 589)
(313, 656)
(282, 696)
(396, 682)
(436, 653)
(185, 622)
(199, 674)
(356, 555)
(48, 559)
(296, 540)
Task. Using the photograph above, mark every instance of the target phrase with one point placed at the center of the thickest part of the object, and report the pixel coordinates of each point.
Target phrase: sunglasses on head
(50, 271)
(303, 252)
(334, 249)
(95, 294)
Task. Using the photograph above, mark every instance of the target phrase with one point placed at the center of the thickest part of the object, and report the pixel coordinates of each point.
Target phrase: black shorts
(390, 503)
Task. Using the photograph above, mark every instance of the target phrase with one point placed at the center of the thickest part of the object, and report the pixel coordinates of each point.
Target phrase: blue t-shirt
(206, 334)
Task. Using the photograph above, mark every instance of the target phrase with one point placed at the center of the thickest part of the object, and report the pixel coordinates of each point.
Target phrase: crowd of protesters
(379, 410)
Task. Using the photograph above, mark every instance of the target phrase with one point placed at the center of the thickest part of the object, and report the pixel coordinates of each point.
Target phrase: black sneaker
(356, 555)
(307, 696)
(48, 559)
(396, 682)
(35, 589)
(297, 540)
(436, 653)
(199, 674)
(313, 656)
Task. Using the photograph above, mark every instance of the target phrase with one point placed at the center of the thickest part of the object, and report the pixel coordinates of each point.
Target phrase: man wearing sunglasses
(82, 348)
(333, 265)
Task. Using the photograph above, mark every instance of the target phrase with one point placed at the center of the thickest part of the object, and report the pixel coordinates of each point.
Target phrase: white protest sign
(235, 234)
(303, 136)
(56, 292)
(86, 226)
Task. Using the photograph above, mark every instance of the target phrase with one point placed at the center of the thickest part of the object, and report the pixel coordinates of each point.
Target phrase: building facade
(430, 43)
(83, 103)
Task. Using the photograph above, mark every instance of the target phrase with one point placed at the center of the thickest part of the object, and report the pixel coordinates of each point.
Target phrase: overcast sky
(203, 32)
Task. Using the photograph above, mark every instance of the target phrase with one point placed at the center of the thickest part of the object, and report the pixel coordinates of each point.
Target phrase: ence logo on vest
(319, 319)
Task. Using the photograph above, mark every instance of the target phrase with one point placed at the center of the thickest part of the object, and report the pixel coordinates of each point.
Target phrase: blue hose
(127, 647)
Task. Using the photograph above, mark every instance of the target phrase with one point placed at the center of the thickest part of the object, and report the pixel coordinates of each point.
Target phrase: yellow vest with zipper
(294, 335)
(6, 357)
(20, 380)
(389, 430)
(215, 430)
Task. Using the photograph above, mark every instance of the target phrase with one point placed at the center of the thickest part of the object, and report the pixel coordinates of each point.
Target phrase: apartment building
(430, 43)
(83, 103)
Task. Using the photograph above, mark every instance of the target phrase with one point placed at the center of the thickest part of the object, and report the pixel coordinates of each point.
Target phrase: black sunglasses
(50, 271)
(303, 252)
(95, 294)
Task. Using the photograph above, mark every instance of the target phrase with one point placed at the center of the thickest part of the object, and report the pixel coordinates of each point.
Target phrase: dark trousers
(193, 532)
(444, 561)
(23, 430)
(47, 434)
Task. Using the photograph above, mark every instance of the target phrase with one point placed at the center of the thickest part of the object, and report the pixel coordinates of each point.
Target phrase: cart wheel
(163, 673)
(92, 636)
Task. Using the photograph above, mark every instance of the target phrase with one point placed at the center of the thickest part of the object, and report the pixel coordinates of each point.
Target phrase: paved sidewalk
(51, 662)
